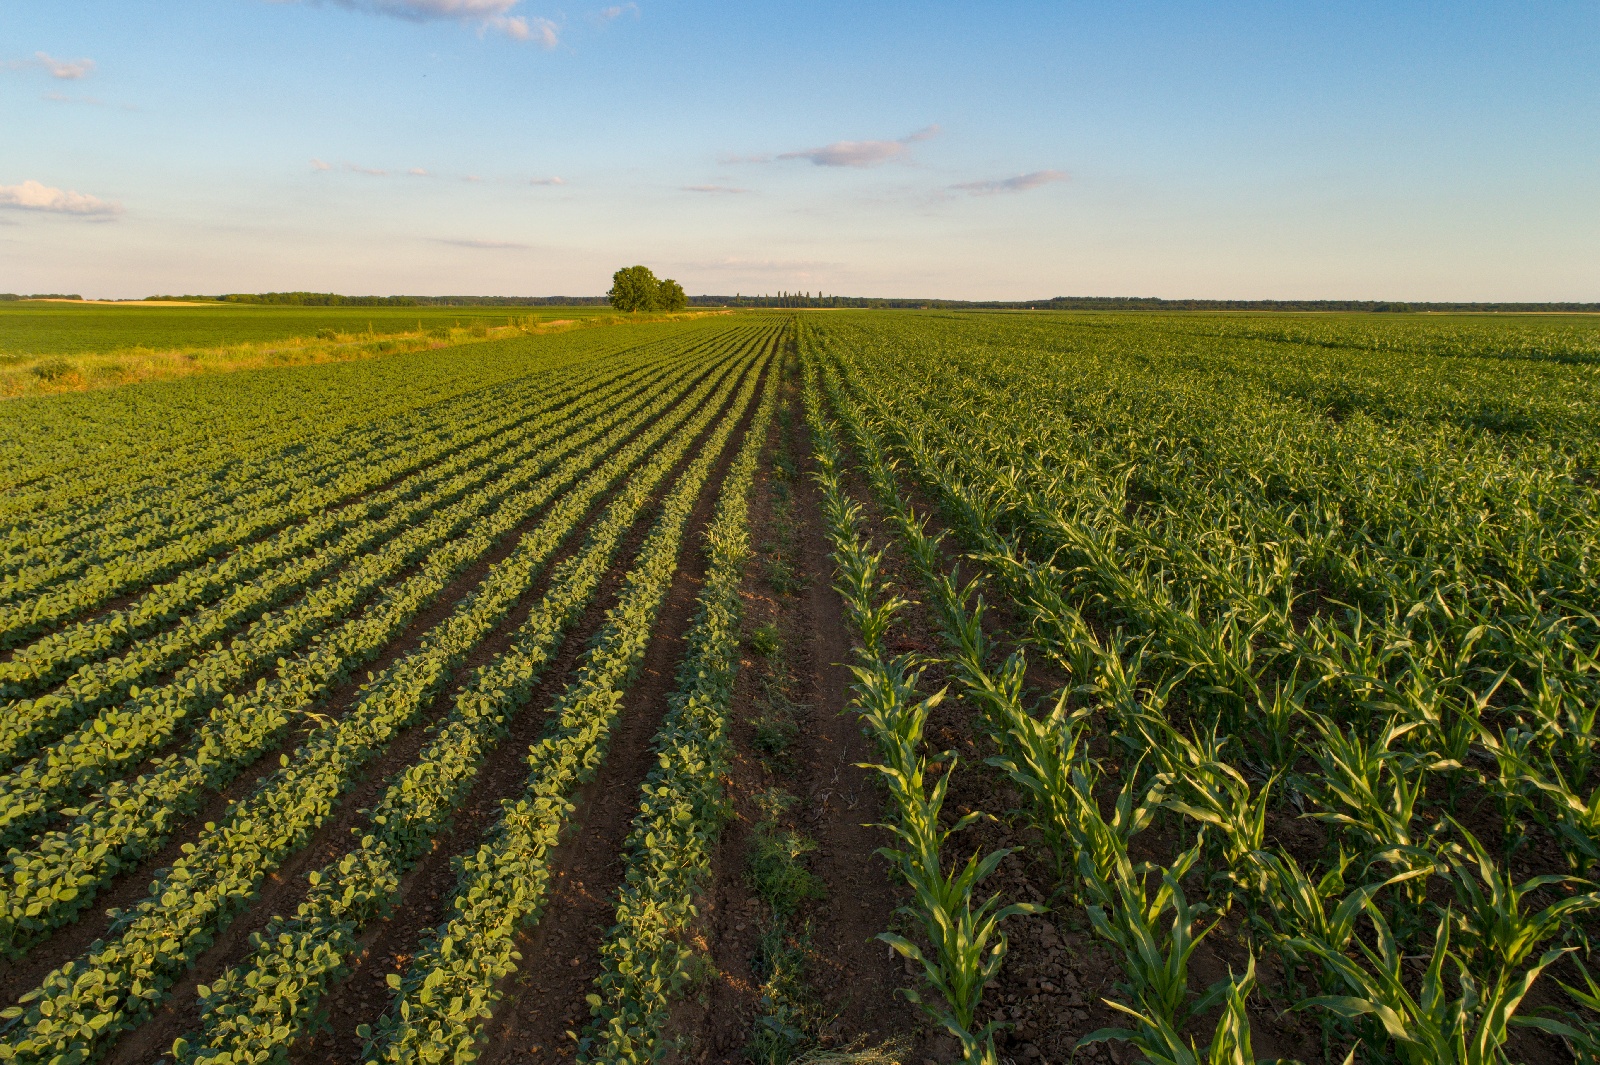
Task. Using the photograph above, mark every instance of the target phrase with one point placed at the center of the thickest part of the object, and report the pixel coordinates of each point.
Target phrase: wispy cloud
(798, 267)
(64, 69)
(547, 181)
(858, 153)
(491, 245)
(36, 196)
(715, 189)
(417, 171)
(367, 170)
(1020, 183)
(318, 164)
(616, 11)
(484, 15)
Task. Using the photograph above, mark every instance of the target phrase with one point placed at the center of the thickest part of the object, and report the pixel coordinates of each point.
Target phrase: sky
(965, 151)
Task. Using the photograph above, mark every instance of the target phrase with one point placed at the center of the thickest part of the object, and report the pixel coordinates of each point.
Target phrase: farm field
(49, 347)
(40, 327)
(1167, 687)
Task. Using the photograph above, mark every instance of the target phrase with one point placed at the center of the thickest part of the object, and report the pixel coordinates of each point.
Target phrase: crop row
(963, 947)
(212, 518)
(96, 464)
(256, 1009)
(667, 856)
(115, 984)
(57, 877)
(1483, 666)
(85, 643)
(30, 723)
(217, 517)
(451, 983)
(125, 735)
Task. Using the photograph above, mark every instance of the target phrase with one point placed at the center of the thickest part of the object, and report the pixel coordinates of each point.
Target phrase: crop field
(49, 347)
(39, 327)
(806, 687)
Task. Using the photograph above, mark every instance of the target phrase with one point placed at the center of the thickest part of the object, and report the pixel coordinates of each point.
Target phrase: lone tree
(635, 288)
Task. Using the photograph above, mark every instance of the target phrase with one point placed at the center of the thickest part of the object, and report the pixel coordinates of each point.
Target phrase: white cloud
(35, 196)
(616, 11)
(417, 171)
(493, 245)
(720, 189)
(541, 30)
(858, 153)
(1020, 183)
(484, 14)
(65, 69)
(369, 171)
(799, 267)
(547, 181)
(318, 164)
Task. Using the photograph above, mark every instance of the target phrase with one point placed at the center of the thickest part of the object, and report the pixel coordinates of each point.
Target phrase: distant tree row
(636, 288)
(1119, 303)
(12, 297)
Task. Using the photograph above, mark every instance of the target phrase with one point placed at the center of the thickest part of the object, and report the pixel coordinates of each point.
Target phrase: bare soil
(853, 977)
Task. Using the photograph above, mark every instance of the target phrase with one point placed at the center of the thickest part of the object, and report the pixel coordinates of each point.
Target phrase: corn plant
(1581, 1035)
(1162, 1043)
(1432, 1027)
(1497, 935)
(968, 947)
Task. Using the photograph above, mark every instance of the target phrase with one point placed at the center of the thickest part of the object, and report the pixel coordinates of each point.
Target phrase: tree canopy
(636, 288)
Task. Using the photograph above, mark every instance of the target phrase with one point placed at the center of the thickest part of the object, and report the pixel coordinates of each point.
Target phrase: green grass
(45, 328)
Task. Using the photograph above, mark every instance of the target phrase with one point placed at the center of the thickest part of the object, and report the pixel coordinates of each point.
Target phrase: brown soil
(853, 977)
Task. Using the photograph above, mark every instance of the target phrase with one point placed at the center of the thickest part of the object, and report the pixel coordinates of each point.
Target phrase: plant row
(962, 946)
(56, 878)
(145, 480)
(1199, 741)
(667, 856)
(81, 645)
(219, 521)
(255, 1010)
(116, 982)
(451, 984)
(125, 735)
(31, 723)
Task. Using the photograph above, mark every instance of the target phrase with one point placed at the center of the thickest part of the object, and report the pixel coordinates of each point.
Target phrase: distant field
(48, 328)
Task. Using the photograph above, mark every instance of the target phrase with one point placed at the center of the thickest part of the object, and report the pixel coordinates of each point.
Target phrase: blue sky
(998, 150)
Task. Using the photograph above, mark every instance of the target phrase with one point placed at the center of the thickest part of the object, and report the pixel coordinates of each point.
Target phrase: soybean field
(832, 686)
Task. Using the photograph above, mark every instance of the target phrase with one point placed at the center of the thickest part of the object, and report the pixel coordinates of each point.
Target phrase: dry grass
(39, 375)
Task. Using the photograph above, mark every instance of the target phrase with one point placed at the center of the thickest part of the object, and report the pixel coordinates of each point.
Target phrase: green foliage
(557, 476)
(71, 329)
(1338, 600)
(636, 288)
